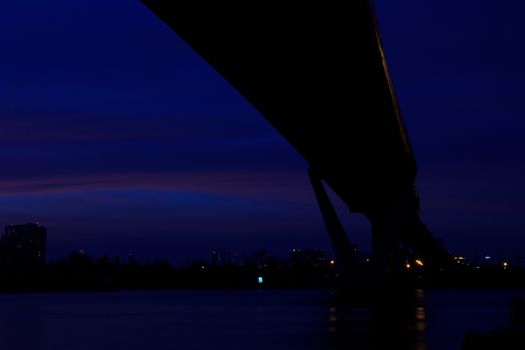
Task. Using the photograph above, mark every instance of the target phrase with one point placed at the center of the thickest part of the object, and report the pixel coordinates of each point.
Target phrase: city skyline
(118, 137)
(20, 235)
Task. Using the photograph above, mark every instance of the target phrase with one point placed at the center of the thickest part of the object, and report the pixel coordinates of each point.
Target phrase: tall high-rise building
(24, 245)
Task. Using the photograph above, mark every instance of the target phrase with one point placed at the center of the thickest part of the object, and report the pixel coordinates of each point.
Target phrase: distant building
(260, 258)
(309, 256)
(222, 257)
(79, 258)
(24, 245)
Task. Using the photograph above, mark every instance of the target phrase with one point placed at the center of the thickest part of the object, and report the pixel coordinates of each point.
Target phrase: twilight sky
(119, 138)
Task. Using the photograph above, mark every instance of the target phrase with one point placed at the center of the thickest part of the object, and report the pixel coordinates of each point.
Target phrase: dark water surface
(256, 319)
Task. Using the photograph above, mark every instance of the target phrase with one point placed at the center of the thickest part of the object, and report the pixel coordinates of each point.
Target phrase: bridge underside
(316, 72)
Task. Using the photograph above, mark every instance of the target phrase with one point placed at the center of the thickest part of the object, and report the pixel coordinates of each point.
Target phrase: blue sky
(118, 137)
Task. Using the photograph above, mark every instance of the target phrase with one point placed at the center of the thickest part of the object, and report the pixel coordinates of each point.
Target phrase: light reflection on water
(388, 322)
(259, 319)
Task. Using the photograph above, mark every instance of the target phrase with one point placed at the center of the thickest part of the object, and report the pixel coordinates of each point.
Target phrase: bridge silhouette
(317, 72)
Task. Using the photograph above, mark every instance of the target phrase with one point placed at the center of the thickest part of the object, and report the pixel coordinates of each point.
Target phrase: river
(233, 320)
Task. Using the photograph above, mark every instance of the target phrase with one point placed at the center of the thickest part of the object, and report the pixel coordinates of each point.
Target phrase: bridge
(317, 72)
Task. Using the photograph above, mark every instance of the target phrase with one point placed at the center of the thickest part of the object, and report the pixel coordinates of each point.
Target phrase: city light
(460, 260)
(260, 280)
(419, 262)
